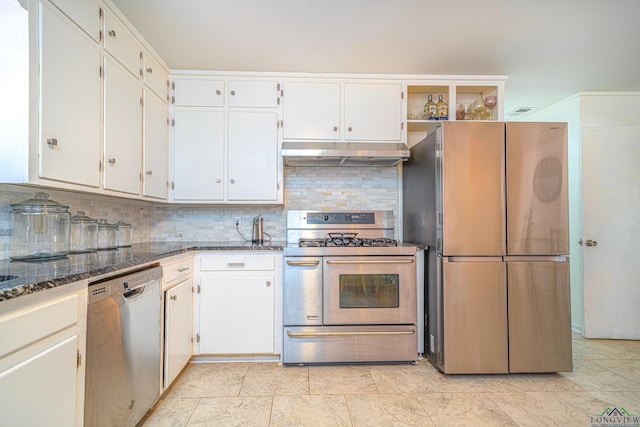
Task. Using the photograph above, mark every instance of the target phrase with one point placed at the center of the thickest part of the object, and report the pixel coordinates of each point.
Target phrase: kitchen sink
(5, 278)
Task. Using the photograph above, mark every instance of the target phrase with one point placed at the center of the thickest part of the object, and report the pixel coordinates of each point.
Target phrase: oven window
(369, 290)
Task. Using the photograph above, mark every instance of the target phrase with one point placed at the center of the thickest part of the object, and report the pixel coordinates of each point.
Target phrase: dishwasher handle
(132, 293)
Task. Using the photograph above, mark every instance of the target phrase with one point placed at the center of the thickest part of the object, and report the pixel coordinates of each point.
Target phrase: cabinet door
(123, 129)
(198, 93)
(70, 100)
(120, 43)
(372, 112)
(47, 380)
(198, 158)
(155, 147)
(253, 156)
(311, 111)
(237, 314)
(244, 93)
(155, 77)
(178, 329)
(86, 14)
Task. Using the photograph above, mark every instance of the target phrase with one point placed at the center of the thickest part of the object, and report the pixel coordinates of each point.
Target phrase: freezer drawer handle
(380, 261)
(345, 333)
(303, 263)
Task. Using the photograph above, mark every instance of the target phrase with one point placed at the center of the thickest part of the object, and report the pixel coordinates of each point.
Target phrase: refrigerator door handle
(533, 258)
(473, 259)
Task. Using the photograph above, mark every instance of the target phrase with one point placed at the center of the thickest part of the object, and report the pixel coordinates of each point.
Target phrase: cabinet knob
(218, 92)
(335, 128)
(174, 297)
(149, 70)
(591, 243)
(112, 33)
(233, 92)
(149, 173)
(350, 129)
(112, 161)
(268, 283)
(232, 180)
(52, 141)
(218, 180)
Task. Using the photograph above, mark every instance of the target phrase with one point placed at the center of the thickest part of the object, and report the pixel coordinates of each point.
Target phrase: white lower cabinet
(42, 357)
(178, 329)
(237, 304)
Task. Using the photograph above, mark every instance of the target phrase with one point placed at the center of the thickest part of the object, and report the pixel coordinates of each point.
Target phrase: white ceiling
(550, 49)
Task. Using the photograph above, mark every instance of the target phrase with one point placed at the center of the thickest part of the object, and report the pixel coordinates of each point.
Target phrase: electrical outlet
(237, 221)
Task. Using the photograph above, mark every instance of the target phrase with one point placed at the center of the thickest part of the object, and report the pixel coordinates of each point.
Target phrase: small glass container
(84, 233)
(125, 234)
(107, 235)
(39, 229)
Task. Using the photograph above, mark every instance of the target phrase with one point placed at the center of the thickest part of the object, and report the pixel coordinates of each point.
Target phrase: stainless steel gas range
(350, 290)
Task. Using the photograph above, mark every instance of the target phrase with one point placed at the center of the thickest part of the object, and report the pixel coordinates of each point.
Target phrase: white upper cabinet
(70, 112)
(253, 156)
(198, 161)
(372, 112)
(198, 93)
(311, 110)
(155, 147)
(121, 43)
(86, 14)
(122, 129)
(260, 94)
(155, 76)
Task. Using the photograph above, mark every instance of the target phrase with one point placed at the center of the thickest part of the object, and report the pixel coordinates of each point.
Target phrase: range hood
(322, 153)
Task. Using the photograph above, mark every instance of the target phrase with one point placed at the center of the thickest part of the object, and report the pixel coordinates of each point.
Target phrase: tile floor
(606, 375)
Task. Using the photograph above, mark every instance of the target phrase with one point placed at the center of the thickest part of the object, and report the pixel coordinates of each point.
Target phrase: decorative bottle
(430, 109)
(442, 109)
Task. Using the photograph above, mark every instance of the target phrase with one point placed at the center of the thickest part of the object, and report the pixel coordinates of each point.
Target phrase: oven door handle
(303, 263)
(373, 261)
(291, 334)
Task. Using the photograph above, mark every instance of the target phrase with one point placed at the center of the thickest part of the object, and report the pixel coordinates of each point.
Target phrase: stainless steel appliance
(323, 153)
(349, 289)
(123, 348)
(257, 234)
(491, 199)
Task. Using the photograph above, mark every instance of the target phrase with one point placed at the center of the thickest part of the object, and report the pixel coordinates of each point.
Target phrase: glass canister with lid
(107, 235)
(125, 234)
(39, 229)
(84, 233)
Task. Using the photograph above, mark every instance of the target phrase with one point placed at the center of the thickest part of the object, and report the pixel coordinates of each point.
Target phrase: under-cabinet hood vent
(313, 153)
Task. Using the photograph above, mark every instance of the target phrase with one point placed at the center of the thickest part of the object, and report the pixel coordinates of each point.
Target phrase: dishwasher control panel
(123, 283)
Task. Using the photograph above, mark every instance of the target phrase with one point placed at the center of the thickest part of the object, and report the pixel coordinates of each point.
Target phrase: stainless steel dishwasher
(123, 348)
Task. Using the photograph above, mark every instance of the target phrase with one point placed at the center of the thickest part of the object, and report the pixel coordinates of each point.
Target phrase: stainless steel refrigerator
(490, 200)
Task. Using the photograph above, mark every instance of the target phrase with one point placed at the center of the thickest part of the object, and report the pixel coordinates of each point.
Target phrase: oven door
(369, 290)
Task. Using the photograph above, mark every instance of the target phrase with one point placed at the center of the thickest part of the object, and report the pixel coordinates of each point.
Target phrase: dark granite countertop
(31, 277)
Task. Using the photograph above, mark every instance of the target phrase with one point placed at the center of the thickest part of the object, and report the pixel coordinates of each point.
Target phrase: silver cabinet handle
(149, 172)
(52, 141)
(233, 181)
(174, 297)
(218, 180)
(183, 269)
(112, 161)
(233, 92)
(591, 243)
(303, 263)
(268, 283)
(149, 70)
(330, 334)
(335, 128)
(235, 264)
(349, 128)
(112, 33)
(382, 261)
(217, 92)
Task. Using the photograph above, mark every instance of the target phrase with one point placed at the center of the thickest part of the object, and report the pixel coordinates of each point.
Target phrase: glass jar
(125, 234)
(39, 229)
(107, 235)
(84, 233)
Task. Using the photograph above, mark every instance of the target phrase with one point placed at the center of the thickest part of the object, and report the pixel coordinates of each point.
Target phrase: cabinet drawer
(177, 270)
(121, 44)
(26, 326)
(238, 263)
(198, 93)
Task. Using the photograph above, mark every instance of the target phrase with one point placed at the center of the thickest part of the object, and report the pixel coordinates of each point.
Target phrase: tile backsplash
(317, 188)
